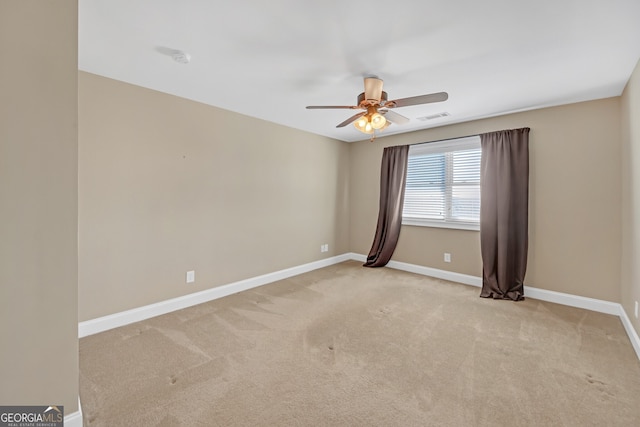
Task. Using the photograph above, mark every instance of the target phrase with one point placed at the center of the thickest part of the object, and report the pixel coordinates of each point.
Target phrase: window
(443, 184)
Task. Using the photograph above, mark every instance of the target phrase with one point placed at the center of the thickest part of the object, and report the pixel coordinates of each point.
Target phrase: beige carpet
(351, 346)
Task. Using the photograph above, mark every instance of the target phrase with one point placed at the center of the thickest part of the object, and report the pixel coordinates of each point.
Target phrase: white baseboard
(426, 271)
(438, 274)
(633, 335)
(94, 326)
(577, 301)
(74, 419)
(105, 323)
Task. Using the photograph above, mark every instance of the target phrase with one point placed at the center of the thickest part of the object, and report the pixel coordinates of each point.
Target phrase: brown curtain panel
(393, 176)
(504, 213)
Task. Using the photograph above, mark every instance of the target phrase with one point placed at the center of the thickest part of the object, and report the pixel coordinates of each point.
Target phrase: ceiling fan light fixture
(368, 128)
(363, 125)
(378, 121)
(361, 122)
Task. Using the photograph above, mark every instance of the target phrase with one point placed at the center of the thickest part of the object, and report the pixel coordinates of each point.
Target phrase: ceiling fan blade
(417, 100)
(351, 119)
(372, 89)
(327, 107)
(393, 117)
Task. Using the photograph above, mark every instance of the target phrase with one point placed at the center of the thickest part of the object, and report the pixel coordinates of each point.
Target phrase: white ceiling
(269, 59)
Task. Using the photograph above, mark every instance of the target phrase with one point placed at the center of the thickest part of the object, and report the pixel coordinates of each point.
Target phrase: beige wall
(38, 204)
(631, 195)
(169, 185)
(575, 198)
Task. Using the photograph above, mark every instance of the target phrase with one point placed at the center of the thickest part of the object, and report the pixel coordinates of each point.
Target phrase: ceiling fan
(377, 114)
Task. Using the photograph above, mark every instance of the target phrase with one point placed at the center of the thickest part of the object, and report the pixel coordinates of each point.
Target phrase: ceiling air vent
(434, 116)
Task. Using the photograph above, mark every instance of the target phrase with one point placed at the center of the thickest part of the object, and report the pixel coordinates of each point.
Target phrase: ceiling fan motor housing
(364, 102)
(372, 88)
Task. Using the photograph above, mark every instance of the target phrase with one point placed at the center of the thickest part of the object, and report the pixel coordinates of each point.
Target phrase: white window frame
(439, 147)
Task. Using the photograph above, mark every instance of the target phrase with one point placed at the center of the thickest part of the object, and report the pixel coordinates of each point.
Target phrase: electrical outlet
(324, 248)
(636, 311)
(191, 276)
(447, 257)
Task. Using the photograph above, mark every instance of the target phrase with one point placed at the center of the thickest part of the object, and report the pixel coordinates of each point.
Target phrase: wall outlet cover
(191, 276)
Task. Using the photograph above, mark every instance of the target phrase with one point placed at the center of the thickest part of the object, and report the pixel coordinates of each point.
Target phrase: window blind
(443, 184)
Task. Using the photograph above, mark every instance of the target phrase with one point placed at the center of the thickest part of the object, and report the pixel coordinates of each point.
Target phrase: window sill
(441, 224)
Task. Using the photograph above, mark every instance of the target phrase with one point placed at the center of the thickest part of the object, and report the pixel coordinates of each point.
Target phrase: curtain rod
(466, 136)
(445, 139)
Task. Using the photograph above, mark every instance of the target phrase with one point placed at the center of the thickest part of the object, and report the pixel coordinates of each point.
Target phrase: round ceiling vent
(181, 57)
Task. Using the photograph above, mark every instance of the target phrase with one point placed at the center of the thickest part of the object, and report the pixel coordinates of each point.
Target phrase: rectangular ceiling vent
(434, 116)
